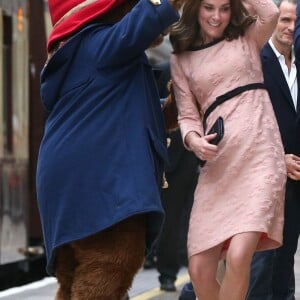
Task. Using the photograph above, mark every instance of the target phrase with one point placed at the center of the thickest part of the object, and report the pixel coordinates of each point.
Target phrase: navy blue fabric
(103, 150)
(187, 292)
(261, 276)
(287, 117)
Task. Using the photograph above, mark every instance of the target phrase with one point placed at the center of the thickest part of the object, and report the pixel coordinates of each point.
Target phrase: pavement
(145, 287)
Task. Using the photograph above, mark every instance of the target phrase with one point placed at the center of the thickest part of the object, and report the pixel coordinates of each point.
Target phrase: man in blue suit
(272, 272)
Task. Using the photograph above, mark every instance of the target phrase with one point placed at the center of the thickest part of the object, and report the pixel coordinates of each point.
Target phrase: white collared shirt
(291, 77)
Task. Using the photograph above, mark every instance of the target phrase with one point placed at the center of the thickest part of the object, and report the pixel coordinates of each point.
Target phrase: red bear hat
(70, 15)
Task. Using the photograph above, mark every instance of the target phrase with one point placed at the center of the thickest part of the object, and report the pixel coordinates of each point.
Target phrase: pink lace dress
(242, 189)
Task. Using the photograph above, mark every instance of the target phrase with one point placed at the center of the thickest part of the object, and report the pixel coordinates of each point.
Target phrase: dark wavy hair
(186, 32)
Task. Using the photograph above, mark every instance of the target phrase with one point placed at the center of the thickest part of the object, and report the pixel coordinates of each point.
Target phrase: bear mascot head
(69, 16)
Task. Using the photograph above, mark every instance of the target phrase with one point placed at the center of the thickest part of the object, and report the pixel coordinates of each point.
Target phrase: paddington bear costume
(101, 158)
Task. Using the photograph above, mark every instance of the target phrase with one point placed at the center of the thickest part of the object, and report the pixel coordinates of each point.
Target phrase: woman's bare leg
(238, 260)
(203, 270)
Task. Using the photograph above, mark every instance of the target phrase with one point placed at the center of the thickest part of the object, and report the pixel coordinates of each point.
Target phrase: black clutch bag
(218, 128)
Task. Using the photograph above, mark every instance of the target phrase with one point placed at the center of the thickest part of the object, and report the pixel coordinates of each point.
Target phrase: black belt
(221, 99)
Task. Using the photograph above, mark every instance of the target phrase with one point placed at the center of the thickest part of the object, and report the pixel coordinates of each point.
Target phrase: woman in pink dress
(238, 207)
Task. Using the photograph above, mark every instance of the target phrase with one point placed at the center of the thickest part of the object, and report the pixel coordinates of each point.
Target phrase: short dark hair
(278, 2)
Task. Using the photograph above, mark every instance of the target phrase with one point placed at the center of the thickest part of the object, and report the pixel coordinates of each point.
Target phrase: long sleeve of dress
(188, 111)
(267, 15)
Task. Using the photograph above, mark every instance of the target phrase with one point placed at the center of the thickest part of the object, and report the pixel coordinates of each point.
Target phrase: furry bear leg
(103, 265)
(65, 267)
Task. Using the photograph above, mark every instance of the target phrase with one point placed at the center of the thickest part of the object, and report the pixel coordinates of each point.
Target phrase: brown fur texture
(102, 266)
(170, 110)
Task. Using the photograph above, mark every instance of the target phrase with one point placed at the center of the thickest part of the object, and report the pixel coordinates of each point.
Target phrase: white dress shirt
(291, 77)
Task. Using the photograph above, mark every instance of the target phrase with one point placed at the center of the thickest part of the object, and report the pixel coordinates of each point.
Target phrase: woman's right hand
(201, 145)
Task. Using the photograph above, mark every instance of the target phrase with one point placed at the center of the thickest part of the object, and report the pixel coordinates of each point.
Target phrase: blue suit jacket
(287, 117)
(103, 150)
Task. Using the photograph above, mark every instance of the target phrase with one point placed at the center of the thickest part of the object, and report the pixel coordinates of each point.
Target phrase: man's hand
(293, 166)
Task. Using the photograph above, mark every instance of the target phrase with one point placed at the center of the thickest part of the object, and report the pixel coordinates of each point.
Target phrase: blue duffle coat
(103, 150)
